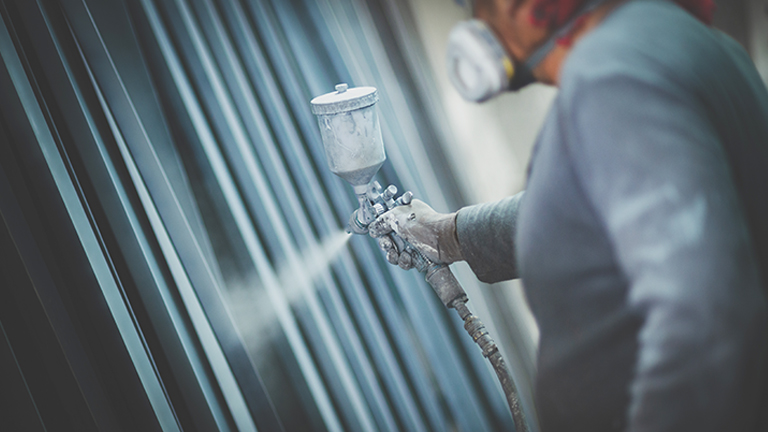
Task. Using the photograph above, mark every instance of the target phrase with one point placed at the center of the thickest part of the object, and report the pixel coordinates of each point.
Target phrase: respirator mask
(480, 68)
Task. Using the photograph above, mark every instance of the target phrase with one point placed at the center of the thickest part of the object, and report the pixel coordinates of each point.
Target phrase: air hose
(445, 285)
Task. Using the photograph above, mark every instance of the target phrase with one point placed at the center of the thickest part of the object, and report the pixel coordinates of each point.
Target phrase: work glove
(431, 233)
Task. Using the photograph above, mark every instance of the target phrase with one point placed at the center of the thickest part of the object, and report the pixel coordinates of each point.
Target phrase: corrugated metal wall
(171, 226)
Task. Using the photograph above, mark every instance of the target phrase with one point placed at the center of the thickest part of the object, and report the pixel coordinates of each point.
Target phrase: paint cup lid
(344, 99)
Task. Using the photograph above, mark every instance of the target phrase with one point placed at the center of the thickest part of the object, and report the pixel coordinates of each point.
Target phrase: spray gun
(354, 150)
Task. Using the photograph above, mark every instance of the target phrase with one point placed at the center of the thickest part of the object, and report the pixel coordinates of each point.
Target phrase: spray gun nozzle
(355, 225)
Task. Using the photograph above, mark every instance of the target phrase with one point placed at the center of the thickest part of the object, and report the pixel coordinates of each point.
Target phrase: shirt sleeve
(486, 235)
(656, 175)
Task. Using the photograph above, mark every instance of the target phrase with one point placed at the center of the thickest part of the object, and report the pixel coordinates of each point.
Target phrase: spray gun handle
(438, 275)
(445, 285)
(374, 202)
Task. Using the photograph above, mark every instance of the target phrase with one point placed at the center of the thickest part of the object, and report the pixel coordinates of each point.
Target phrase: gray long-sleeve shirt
(636, 238)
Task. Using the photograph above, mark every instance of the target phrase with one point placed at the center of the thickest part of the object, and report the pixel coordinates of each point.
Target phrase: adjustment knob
(406, 198)
(389, 192)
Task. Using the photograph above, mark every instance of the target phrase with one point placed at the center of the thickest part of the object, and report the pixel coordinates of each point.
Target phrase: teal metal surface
(179, 136)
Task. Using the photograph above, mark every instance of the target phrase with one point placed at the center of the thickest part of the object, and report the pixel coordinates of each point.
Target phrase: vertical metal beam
(253, 245)
(89, 240)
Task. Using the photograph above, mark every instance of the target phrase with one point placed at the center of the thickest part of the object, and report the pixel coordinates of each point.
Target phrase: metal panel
(190, 123)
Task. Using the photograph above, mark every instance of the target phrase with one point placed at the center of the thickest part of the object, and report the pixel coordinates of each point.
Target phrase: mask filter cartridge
(478, 66)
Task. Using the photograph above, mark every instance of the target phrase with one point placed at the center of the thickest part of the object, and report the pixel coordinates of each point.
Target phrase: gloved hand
(431, 233)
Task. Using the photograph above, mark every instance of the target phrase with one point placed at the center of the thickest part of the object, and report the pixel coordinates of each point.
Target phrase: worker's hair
(555, 13)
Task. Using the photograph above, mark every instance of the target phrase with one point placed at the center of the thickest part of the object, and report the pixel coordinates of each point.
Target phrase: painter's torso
(629, 210)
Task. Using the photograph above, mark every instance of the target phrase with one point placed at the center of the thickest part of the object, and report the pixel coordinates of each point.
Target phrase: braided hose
(480, 335)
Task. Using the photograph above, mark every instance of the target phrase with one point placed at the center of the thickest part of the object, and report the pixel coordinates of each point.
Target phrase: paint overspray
(313, 262)
(255, 315)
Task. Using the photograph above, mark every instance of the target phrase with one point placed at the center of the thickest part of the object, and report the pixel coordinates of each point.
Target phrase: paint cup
(349, 126)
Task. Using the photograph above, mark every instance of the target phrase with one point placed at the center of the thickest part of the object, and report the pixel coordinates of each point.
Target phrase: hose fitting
(445, 285)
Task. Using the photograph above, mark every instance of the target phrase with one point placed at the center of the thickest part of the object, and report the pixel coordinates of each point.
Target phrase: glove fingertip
(385, 244)
(405, 261)
(392, 257)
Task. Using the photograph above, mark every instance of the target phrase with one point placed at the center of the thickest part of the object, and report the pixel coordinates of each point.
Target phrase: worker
(642, 235)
